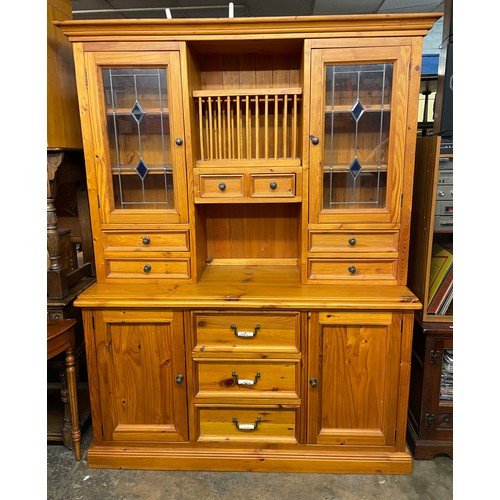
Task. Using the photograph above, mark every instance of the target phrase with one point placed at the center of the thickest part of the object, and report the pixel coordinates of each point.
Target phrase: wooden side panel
(63, 119)
(139, 354)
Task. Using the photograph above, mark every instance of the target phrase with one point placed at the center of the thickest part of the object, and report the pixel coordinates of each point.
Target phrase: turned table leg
(73, 403)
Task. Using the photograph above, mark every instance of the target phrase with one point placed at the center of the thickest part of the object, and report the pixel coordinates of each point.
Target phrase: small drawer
(148, 268)
(247, 379)
(352, 269)
(246, 332)
(221, 186)
(272, 185)
(146, 241)
(355, 241)
(246, 425)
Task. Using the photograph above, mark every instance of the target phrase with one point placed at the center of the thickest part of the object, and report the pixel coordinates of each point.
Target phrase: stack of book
(440, 280)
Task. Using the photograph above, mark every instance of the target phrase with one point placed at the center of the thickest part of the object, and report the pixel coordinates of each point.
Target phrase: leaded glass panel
(138, 131)
(356, 135)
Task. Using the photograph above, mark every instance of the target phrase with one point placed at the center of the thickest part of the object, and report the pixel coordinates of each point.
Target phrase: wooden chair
(61, 337)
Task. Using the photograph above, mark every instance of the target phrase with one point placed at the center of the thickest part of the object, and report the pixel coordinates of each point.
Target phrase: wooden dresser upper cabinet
(361, 122)
(133, 122)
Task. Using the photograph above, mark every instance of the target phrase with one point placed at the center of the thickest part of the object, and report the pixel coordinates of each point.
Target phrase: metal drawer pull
(352, 241)
(352, 269)
(146, 240)
(222, 186)
(246, 427)
(245, 333)
(273, 185)
(243, 381)
(147, 268)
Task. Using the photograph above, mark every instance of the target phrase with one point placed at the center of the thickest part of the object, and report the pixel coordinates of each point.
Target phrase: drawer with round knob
(272, 185)
(353, 269)
(147, 269)
(357, 241)
(146, 241)
(221, 186)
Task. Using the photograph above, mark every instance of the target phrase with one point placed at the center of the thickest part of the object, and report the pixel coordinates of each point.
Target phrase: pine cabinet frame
(272, 311)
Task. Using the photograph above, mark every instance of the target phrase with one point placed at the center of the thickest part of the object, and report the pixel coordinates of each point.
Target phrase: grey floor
(71, 480)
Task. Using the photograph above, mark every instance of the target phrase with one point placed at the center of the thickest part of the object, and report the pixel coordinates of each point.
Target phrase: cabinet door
(141, 372)
(357, 131)
(138, 136)
(353, 373)
(438, 414)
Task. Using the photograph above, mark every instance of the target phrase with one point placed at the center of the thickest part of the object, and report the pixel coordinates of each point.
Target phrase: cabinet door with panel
(137, 122)
(358, 130)
(140, 373)
(354, 365)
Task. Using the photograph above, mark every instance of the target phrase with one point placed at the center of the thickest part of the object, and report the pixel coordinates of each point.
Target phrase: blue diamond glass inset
(142, 169)
(355, 168)
(357, 110)
(137, 112)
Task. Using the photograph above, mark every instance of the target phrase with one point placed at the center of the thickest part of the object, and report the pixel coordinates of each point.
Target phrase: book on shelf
(441, 263)
(444, 295)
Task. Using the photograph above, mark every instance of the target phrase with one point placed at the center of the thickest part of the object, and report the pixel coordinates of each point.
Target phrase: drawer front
(148, 268)
(272, 186)
(146, 241)
(247, 379)
(221, 186)
(355, 241)
(246, 425)
(246, 332)
(352, 269)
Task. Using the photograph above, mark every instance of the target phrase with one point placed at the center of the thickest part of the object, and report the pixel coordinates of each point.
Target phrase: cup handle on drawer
(244, 333)
(246, 427)
(243, 381)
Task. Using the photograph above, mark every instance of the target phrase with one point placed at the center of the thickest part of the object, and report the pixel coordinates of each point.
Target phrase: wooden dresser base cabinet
(182, 378)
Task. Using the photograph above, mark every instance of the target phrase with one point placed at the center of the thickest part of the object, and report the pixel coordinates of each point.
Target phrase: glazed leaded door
(357, 133)
(138, 136)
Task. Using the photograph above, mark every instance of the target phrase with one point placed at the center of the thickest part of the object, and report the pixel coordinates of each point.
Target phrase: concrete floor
(71, 480)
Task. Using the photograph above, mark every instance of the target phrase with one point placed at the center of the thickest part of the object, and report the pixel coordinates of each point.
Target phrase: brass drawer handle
(246, 427)
(244, 333)
(243, 381)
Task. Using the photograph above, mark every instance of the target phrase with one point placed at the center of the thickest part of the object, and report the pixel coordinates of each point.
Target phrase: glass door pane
(138, 129)
(356, 135)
